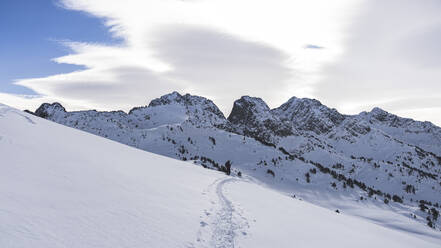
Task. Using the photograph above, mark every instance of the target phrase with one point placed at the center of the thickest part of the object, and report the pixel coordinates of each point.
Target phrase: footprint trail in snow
(223, 222)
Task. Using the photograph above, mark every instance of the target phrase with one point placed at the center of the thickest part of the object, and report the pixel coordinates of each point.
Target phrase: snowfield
(60, 187)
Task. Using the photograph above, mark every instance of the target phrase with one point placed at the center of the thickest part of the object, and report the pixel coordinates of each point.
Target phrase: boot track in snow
(221, 224)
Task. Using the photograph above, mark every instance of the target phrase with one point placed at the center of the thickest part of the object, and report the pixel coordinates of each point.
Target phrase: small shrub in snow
(270, 172)
(430, 222)
(396, 198)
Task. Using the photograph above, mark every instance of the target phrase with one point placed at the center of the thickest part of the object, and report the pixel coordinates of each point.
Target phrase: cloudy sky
(115, 54)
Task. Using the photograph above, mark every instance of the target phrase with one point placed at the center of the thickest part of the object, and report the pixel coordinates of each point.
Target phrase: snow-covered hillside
(60, 187)
(301, 148)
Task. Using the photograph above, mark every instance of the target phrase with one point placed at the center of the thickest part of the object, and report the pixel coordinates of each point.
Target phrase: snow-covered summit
(197, 109)
(166, 99)
(419, 133)
(189, 101)
(380, 116)
(309, 114)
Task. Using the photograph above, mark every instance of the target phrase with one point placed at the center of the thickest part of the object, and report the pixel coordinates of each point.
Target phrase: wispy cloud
(311, 46)
(218, 48)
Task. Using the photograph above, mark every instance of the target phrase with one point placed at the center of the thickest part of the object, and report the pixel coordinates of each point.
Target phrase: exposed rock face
(252, 117)
(248, 110)
(47, 110)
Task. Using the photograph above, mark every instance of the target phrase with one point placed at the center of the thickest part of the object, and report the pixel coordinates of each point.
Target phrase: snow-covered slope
(302, 147)
(60, 187)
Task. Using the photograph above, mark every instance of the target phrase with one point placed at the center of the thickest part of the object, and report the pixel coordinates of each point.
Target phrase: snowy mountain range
(61, 187)
(302, 148)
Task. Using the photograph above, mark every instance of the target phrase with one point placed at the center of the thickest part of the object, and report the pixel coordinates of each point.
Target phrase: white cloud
(373, 53)
(32, 102)
(221, 48)
(391, 60)
(213, 63)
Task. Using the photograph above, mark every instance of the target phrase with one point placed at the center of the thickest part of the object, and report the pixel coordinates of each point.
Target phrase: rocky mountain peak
(309, 114)
(380, 114)
(252, 117)
(187, 100)
(248, 109)
(49, 109)
(166, 99)
(199, 109)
